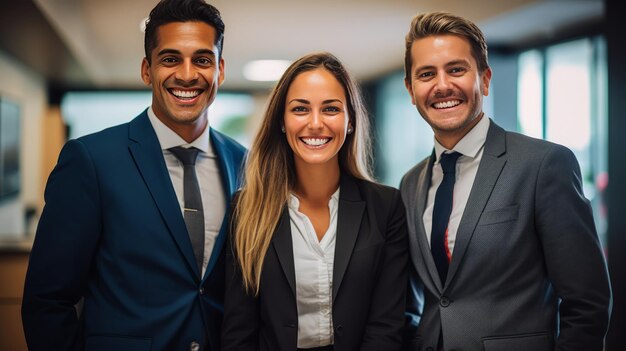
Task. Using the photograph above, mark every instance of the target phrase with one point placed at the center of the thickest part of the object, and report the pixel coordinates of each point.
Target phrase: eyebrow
(448, 64)
(458, 62)
(305, 101)
(178, 52)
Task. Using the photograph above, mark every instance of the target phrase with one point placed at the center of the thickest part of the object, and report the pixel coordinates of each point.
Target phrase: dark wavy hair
(168, 11)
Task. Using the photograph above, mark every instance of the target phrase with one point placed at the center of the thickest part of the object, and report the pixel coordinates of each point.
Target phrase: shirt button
(445, 301)
(194, 346)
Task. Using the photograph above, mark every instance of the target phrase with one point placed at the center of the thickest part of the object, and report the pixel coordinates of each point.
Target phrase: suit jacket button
(430, 349)
(194, 346)
(201, 291)
(444, 302)
(339, 330)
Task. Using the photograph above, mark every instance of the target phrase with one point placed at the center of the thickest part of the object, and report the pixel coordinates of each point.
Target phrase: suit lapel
(229, 174)
(489, 170)
(284, 248)
(146, 151)
(423, 184)
(349, 216)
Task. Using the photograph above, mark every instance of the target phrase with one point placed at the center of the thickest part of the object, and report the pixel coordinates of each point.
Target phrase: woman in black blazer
(318, 252)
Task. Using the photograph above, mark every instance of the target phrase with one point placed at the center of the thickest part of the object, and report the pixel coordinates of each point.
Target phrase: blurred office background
(71, 67)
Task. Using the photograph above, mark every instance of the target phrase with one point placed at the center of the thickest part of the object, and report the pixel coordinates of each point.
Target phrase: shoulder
(523, 146)
(410, 177)
(228, 142)
(377, 194)
(108, 142)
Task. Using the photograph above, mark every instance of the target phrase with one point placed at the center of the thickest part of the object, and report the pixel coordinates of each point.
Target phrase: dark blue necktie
(193, 212)
(441, 214)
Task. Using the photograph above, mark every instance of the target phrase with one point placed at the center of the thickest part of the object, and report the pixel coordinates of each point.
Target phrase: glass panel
(89, 112)
(568, 101)
(530, 94)
(402, 137)
(576, 113)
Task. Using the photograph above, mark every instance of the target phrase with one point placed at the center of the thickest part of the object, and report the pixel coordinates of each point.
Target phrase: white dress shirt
(209, 179)
(313, 262)
(471, 150)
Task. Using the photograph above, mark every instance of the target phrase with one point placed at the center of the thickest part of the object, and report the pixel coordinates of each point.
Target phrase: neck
(449, 139)
(191, 132)
(317, 183)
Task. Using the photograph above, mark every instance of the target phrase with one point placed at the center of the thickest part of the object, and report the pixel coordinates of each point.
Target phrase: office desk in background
(13, 263)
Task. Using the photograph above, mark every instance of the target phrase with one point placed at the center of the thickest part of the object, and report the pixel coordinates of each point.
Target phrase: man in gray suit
(503, 243)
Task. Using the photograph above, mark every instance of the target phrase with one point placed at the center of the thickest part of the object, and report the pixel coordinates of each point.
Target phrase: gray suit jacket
(527, 271)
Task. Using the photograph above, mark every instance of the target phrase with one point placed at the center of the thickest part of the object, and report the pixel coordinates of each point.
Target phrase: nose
(315, 120)
(187, 72)
(443, 82)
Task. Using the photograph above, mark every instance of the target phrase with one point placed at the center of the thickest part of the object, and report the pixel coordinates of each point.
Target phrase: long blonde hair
(270, 173)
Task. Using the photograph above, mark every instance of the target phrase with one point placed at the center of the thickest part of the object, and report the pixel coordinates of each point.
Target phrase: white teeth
(315, 141)
(186, 94)
(447, 104)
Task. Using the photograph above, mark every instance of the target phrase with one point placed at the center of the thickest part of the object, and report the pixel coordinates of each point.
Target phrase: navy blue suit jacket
(112, 232)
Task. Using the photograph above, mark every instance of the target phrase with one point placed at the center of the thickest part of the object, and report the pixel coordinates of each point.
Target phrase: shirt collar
(169, 139)
(294, 202)
(471, 143)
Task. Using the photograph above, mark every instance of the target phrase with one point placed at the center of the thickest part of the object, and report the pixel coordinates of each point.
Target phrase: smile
(185, 94)
(315, 141)
(446, 104)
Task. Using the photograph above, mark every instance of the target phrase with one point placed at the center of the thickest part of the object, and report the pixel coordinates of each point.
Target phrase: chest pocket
(500, 215)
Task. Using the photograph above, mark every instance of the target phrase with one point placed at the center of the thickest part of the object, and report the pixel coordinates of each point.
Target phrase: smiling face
(316, 118)
(446, 86)
(184, 73)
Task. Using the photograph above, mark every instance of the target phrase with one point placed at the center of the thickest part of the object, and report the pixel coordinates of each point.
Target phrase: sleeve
(62, 254)
(414, 308)
(385, 325)
(573, 256)
(240, 327)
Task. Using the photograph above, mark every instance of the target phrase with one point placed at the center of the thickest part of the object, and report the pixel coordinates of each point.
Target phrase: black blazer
(369, 279)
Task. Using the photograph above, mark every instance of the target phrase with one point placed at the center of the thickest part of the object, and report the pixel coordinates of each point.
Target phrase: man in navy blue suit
(114, 230)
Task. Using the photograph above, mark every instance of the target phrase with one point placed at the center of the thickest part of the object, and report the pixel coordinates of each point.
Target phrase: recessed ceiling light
(265, 70)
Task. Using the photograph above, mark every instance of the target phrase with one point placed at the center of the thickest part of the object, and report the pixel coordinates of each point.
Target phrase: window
(89, 112)
(562, 94)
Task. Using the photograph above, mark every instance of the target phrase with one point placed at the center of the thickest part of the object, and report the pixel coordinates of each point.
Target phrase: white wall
(26, 88)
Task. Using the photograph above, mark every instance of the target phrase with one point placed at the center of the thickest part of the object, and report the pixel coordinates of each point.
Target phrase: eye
(458, 70)
(299, 109)
(169, 60)
(332, 109)
(204, 61)
(426, 75)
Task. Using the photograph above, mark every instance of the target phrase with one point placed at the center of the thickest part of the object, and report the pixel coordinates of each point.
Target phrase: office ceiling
(99, 44)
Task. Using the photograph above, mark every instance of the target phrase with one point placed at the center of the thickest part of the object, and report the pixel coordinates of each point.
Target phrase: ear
(145, 72)
(220, 79)
(409, 88)
(485, 79)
